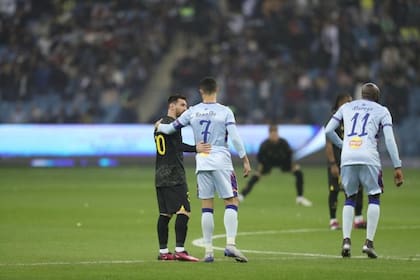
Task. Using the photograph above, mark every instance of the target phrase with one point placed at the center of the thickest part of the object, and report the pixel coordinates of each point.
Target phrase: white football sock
(179, 249)
(207, 227)
(348, 214)
(164, 251)
(373, 213)
(358, 219)
(231, 225)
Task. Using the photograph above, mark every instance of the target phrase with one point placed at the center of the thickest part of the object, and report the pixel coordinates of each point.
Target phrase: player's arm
(288, 151)
(262, 153)
(165, 128)
(188, 148)
(333, 123)
(392, 148)
(173, 126)
(239, 147)
(246, 165)
(332, 162)
(199, 148)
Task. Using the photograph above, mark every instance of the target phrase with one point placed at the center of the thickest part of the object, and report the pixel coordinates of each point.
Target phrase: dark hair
(338, 100)
(371, 92)
(174, 98)
(272, 127)
(208, 85)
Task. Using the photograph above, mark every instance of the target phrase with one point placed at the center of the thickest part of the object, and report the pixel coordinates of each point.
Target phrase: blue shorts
(221, 181)
(368, 176)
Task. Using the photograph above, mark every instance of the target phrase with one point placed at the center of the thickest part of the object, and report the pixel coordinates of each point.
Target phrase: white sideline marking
(74, 263)
(199, 243)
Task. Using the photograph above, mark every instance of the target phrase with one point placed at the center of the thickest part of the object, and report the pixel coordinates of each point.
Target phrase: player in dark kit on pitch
(171, 184)
(276, 152)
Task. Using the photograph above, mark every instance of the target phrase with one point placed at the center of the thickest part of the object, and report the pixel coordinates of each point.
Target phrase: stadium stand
(279, 61)
(79, 61)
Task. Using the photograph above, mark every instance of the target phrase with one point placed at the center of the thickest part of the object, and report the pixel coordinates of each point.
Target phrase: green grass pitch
(92, 223)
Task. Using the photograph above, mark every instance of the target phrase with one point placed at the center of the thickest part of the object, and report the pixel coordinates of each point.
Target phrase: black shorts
(265, 168)
(172, 199)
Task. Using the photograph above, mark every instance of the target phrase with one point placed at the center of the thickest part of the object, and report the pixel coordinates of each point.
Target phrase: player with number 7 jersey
(212, 123)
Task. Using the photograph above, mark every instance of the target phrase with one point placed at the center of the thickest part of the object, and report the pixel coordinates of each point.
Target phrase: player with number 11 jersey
(363, 120)
(360, 163)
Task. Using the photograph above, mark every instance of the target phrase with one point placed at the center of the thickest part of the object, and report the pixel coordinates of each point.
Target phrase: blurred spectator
(67, 55)
(277, 61)
(283, 61)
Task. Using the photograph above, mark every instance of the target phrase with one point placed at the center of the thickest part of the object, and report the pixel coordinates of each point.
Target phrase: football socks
(162, 228)
(348, 214)
(207, 226)
(299, 182)
(373, 212)
(231, 223)
(181, 226)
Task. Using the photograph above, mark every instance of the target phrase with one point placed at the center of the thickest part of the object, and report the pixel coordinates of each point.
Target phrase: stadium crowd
(285, 61)
(278, 61)
(79, 61)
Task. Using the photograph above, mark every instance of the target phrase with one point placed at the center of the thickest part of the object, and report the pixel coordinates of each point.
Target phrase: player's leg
(181, 227)
(298, 174)
(181, 223)
(350, 182)
(227, 188)
(333, 191)
(373, 213)
(372, 178)
(207, 227)
(162, 225)
(206, 191)
(162, 229)
(359, 222)
(261, 170)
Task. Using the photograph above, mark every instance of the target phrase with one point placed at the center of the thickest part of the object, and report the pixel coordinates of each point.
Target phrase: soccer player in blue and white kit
(213, 123)
(363, 120)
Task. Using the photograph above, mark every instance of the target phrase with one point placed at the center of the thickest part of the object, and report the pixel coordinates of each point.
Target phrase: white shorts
(369, 176)
(221, 181)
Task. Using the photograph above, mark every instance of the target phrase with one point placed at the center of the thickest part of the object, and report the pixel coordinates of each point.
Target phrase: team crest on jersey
(355, 142)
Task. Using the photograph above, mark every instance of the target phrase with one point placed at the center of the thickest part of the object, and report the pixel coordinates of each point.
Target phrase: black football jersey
(275, 153)
(169, 157)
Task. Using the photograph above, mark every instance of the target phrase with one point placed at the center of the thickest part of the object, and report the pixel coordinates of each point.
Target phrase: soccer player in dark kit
(276, 152)
(171, 184)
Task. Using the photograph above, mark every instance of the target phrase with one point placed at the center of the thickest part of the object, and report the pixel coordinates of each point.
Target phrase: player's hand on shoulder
(398, 176)
(202, 147)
